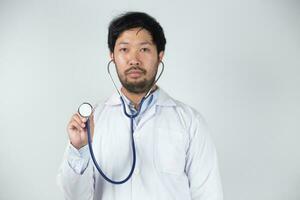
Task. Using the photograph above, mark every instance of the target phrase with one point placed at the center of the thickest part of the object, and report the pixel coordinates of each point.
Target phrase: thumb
(91, 124)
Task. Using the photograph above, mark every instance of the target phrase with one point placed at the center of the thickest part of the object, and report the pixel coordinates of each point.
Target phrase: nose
(134, 61)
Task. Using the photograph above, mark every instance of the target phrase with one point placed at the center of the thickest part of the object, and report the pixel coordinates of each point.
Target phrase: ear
(111, 55)
(161, 55)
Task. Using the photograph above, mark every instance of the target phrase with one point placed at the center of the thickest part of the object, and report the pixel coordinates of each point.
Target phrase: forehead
(135, 35)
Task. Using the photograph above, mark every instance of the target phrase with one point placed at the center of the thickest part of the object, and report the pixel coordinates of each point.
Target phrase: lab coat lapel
(147, 116)
(163, 99)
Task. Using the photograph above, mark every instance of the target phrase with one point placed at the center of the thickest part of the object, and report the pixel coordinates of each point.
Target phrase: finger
(78, 116)
(78, 120)
(91, 118)
(83, 119)
(92, 115)
(74, 125)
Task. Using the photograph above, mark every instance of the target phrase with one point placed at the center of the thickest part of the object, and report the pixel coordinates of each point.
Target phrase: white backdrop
(237, 62)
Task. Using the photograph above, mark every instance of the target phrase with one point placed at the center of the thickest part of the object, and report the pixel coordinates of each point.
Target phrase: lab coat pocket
(169, 154)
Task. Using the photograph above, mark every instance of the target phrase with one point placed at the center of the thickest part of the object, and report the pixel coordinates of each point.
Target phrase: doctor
(175, 156)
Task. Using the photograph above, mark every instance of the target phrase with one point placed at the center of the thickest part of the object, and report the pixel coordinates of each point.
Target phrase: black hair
(131, 20)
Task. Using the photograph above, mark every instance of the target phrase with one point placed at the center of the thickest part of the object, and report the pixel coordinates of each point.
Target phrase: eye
(145, 49)
(123, 49)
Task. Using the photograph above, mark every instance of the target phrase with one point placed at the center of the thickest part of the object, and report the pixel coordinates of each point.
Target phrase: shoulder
(189, 114)
(184, 109)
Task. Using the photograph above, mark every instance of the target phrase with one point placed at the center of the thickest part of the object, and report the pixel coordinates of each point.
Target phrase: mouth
(135, 73)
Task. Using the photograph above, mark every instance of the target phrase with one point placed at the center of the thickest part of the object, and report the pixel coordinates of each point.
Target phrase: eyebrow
(141, 43)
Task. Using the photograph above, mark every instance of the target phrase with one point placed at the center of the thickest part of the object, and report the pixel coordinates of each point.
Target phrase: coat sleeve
(76, 174)
(202, 163)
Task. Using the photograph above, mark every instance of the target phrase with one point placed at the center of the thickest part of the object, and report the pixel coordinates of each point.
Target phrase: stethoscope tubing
(132, 145)
(131, 116)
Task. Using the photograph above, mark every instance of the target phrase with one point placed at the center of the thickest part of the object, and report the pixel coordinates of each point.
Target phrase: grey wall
(237, 63)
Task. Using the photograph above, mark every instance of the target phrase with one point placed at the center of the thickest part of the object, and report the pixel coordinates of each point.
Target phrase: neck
(135, 98)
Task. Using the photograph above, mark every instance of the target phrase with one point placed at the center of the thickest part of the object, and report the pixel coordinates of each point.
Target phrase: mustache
(135, 68)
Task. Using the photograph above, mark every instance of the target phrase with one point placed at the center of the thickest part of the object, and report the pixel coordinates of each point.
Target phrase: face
(137, 60)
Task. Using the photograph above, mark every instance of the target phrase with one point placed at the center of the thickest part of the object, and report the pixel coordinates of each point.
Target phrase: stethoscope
(86, 109)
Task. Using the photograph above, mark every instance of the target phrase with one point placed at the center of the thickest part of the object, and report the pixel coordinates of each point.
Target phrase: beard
(137, 87)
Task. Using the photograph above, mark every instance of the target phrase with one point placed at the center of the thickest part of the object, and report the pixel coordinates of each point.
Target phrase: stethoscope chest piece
(85, 109)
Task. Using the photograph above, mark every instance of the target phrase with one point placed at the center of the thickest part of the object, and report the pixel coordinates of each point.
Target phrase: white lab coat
(176, 158)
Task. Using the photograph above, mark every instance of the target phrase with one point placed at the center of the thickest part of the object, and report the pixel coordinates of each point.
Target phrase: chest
(160, 142)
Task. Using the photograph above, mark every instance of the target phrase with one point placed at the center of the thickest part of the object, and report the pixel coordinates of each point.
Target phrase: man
(175, 156)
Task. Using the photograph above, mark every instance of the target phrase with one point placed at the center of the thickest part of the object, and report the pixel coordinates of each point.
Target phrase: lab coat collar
(163, 99)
